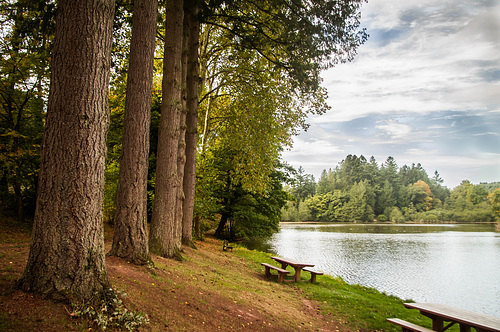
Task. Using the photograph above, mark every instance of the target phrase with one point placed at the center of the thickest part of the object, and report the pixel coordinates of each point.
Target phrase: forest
(361, 190)
(161, 119)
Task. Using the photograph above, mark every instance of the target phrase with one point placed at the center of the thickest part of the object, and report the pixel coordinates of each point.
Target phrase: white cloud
(428, 80)
(434, 66)
(315, 147)
(395, 129)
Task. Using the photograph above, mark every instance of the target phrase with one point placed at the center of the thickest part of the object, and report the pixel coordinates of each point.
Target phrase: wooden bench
(226, 246)
(313, 273)
(281, 272)
(407, 326)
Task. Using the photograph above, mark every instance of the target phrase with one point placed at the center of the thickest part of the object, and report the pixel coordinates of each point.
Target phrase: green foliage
(296, 211)
(490, 187)
(297, 39)
(304, 185)
(260, 64)
(255, 216)
(420, 195)
(250, 109)
(326, 182)
(222, 191)
(108, 311)
(327, 207)
(494, 199)
(360, 204)
(358, 190)
(110, 187)
(27, 31)
(396, 215)
(465, 196)
(382, 218)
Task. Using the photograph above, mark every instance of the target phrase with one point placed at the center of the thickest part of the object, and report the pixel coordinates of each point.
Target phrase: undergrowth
(109, 312)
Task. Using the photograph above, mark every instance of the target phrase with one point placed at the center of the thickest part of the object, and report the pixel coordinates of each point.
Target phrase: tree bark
(165, 234)
(130, 238)
(19, 199)
(192, 83)
(66, 257)
(219, 232)
(197, 227)
(181, 152)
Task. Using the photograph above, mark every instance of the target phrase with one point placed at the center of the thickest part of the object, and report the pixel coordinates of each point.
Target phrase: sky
(424, 88)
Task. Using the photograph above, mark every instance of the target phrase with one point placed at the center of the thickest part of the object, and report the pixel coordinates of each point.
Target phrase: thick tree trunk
(192, 79)
(130, 238)
(197, 227)
(219, 232)
(165, 231)
(4, 187)
(66, 256)
(225, 214)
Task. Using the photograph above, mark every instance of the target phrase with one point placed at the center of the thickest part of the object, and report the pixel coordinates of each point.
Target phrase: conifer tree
(66, 255)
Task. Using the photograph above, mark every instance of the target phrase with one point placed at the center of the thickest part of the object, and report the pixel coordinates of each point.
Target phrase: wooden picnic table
(440, 313)
(298, 266)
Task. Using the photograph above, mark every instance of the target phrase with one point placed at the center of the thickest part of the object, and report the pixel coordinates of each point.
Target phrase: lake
(454, 264)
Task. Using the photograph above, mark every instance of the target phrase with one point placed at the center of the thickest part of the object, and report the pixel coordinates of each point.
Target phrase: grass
(360, 308)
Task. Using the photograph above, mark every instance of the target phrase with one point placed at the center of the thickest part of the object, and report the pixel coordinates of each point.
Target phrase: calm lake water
(453, 264)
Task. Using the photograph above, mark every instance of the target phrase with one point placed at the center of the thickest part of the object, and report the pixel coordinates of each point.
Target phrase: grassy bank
(211, 290)
(360, 308)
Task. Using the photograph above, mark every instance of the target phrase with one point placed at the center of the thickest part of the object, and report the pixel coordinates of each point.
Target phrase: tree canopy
(302, 37)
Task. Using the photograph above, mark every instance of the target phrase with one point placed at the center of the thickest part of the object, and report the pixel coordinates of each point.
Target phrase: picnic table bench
(314, 273)
(226, 246)
(441, 313)
(281, 272)
(407, 326)
(298, 266)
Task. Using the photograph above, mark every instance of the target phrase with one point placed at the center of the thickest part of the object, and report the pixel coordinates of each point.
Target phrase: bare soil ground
(212, 290)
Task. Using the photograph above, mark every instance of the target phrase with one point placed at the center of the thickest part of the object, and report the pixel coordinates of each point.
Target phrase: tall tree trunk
(18, 192)
(192, 82)
(197, 227)
(181, 162)
(181, 152)
(130, 238)
(219, 232)
(66, 256)
(165, 230)
(227, 214)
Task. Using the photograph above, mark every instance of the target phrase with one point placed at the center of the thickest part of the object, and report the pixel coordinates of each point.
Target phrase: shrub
(382, 217)
(109, 312)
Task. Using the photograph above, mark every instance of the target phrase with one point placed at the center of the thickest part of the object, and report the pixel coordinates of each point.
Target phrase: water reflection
(454, 264)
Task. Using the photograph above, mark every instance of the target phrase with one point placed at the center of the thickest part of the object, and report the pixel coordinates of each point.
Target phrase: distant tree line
(362, 190)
